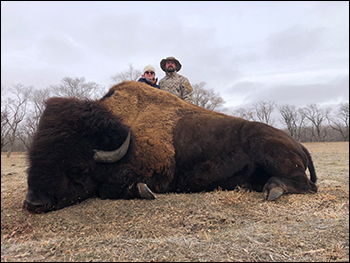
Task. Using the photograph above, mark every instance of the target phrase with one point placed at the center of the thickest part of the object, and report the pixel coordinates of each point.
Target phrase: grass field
(215, 226)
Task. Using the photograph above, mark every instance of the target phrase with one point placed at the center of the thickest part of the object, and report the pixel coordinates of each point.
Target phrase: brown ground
(215, 226)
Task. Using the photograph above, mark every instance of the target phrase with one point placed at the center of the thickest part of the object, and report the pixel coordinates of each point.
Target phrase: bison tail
(311, 167)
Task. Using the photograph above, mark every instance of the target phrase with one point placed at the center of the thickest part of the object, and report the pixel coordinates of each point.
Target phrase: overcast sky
(287, 52)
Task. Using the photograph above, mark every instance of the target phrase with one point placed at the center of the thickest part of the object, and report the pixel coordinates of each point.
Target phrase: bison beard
(163, 145)
(62, 168)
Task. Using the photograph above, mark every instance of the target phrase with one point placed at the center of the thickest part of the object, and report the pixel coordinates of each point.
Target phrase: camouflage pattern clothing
(177, 84)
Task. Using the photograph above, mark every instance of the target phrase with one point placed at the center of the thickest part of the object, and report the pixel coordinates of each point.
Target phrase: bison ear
(112, 156)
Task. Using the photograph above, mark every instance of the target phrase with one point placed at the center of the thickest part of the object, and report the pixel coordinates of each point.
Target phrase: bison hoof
(273, 194)
(144, 191)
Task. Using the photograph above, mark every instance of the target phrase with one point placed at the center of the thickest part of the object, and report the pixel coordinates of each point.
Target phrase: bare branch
(263, 110)
(340, 122)
(16, 111)
(206, 98)
(129, 74)
(316, 116)
(76, 88)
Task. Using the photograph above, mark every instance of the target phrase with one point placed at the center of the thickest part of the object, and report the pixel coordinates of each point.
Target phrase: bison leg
(144, 191)
(124, 184)
(273, 193)
(139, 190)
(297, 184)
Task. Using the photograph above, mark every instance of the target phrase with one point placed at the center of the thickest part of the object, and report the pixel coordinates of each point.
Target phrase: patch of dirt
(216, 226)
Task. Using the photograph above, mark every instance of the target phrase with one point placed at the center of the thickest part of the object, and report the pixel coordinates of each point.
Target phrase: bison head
(77, 144)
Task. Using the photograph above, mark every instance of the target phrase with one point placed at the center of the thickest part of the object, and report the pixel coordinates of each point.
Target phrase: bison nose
(37, 203)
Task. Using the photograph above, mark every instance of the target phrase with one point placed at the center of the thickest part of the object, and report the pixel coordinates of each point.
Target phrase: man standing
(174, 82)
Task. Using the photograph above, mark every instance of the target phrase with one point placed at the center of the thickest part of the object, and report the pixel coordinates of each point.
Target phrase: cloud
(245, 87)
(293, 42)
(245, 51)
(300, 95)
(58, 48)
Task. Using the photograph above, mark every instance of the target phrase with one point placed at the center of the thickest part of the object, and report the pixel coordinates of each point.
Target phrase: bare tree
(28, 128)
(206, 98)
(76, 88)
(317, 116)
(244, 113)
(16, 111)
(293, 120)
(129, 74)
(38, 98)
(340, 122)
(263, 110)
(5, 127)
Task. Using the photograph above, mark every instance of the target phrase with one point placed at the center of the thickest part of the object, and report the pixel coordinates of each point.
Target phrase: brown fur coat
(152, 115)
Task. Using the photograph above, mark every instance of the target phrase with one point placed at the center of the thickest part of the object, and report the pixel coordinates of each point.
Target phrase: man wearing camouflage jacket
(174, 82)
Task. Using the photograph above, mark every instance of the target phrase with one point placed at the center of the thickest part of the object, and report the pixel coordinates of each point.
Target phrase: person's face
(170, 65)
(149, 74)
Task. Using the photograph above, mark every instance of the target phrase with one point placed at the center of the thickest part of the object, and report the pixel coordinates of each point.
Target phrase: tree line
(22, 107)
(311, 123)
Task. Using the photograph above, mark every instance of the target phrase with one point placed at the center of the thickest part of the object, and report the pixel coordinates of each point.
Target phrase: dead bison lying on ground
(163, 144)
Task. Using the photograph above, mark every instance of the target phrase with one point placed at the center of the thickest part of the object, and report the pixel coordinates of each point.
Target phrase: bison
(137, 141)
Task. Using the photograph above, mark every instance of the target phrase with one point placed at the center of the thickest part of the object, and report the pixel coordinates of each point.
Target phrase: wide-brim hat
(177, 63)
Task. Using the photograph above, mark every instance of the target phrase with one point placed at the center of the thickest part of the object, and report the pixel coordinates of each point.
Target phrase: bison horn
(112, 156)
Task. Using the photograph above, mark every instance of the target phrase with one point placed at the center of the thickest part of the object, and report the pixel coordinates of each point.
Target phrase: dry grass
(216, 226)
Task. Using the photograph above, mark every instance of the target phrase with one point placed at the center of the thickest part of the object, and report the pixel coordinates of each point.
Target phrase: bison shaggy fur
(175, 146)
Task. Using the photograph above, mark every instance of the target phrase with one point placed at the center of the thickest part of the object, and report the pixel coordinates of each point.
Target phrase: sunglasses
(149, 72)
